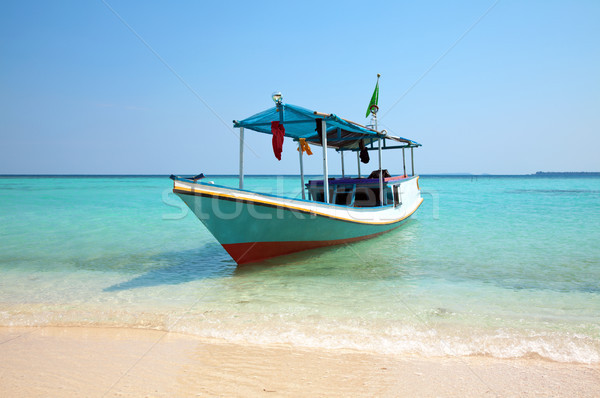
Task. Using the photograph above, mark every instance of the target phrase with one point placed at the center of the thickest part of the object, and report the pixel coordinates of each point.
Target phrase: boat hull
(253, 227)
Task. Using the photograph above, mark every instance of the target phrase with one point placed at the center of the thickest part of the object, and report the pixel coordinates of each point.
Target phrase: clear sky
(80, 93)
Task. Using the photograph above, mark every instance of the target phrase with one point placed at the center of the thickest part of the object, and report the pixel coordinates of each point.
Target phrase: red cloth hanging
(278, 133)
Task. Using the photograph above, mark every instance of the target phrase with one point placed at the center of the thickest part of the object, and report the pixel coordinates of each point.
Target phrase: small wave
(422, 343)
(388, 338)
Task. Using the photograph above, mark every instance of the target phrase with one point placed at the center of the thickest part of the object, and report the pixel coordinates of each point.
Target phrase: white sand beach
(52, 361)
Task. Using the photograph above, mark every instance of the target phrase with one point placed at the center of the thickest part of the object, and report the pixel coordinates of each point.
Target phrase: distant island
(567, 173)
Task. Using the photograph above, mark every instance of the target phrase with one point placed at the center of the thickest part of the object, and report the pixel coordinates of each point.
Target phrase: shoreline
(43, 361)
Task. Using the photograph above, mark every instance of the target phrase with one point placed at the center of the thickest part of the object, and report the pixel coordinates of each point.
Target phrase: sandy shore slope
(60, 362)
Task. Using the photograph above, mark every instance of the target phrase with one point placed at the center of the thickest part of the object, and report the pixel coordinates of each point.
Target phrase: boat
(253, 226)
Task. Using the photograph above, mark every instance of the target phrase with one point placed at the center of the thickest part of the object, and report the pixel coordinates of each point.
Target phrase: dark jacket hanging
(364, 154)
(319, 130)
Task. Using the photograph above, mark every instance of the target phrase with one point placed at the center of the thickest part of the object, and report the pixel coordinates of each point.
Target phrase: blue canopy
(302, 123)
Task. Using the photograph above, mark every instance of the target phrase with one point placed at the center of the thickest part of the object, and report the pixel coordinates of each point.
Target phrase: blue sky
(81, 94)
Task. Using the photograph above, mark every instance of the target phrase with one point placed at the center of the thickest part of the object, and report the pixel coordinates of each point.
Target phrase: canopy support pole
(301, 171)
(412, 160)
(342, 155)
(325, 170)
(241, 158)
(380, 176)
(358, 162)
(404, 162)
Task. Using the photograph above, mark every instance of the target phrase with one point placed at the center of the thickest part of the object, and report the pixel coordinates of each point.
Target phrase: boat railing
(357, 192)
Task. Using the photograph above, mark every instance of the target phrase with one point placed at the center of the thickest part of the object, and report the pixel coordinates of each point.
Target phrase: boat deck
(360, 181)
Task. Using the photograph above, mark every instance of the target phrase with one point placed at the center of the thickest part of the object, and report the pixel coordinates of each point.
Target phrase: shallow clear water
(501, 266)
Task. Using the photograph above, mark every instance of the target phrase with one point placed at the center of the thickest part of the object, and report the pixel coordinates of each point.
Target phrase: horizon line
(295, 175)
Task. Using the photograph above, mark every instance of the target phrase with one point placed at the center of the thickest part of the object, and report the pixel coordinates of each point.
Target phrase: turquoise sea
(500, 266)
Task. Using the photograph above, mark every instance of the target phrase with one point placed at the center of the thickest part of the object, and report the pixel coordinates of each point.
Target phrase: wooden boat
(254, 226)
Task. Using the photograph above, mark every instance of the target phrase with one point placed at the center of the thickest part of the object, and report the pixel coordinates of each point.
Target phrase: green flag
(375, 97)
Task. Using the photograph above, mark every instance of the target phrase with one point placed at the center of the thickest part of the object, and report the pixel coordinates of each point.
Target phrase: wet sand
(134, 362)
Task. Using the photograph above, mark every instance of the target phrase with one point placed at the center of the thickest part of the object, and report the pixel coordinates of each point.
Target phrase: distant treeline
(568, 173)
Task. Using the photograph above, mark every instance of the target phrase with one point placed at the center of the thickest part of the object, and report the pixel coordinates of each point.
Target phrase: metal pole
(342, 155)
(412, 160)
(403, 162)
(380, 176)
(301, 171)
(325, 170)
(358, 161)
(241, 158)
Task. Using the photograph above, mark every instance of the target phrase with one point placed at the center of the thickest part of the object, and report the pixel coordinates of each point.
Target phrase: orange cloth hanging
(304, 146)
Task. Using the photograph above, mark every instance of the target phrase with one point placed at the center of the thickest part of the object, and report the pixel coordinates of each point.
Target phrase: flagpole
(372, 110)
(373, 107)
